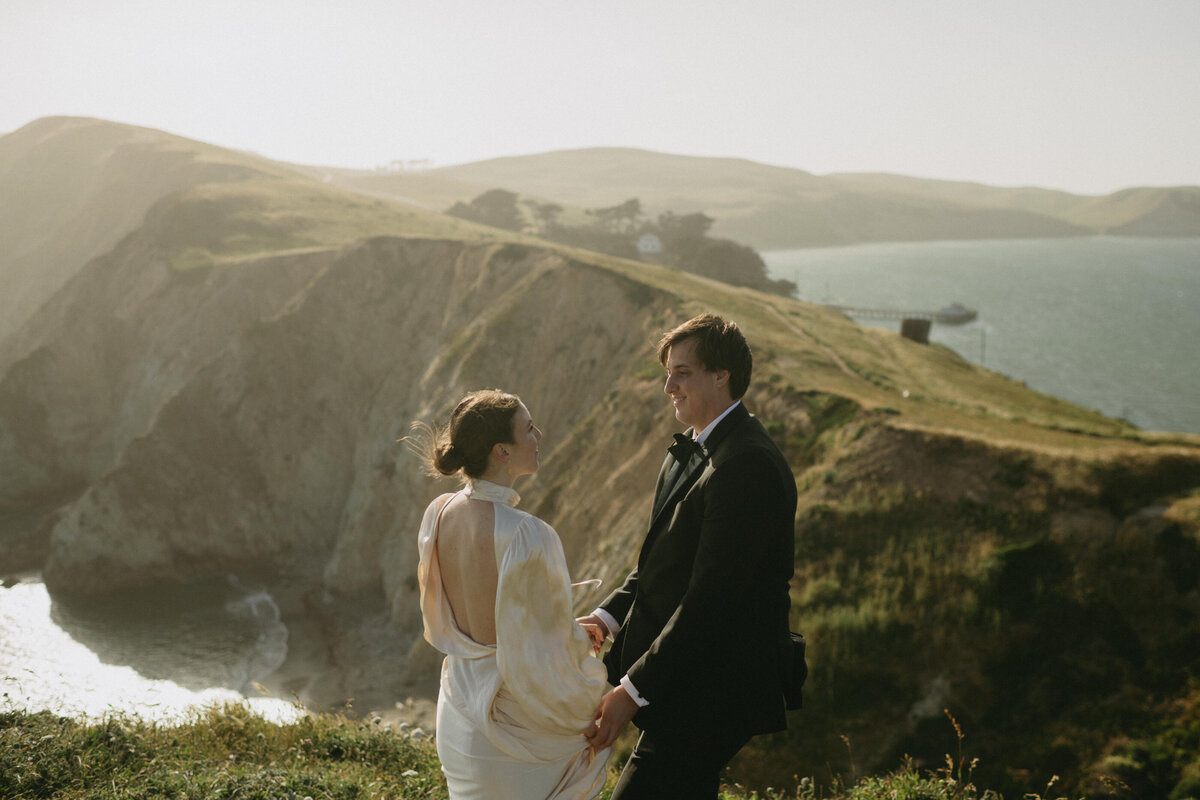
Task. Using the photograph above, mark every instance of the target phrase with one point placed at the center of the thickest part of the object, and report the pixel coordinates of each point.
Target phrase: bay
(158, 654)
(1108, 323)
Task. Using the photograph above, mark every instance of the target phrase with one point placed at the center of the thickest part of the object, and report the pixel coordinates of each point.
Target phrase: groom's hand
(616, 709)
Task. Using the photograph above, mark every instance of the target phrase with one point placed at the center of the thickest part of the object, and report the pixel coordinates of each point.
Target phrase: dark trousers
(682, 765)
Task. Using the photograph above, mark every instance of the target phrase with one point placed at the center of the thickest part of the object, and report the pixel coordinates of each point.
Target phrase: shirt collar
(702, 435)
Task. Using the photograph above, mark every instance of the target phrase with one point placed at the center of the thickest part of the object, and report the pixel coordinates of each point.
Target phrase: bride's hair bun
(447, 459)
(480, 421)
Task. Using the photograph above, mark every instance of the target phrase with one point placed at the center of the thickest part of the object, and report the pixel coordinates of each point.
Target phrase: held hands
(616, 707)
(616, 710)
(597, 631)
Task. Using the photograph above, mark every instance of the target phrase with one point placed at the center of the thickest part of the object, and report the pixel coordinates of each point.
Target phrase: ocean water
(1109, 323)
(157, 654)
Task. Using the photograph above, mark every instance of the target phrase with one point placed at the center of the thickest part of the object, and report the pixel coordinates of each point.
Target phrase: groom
(700, 626)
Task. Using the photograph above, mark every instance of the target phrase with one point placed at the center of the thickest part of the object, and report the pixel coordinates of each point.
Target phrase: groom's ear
(722, 377)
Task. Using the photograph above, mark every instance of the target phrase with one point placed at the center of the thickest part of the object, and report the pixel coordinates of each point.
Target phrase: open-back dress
(511, 715)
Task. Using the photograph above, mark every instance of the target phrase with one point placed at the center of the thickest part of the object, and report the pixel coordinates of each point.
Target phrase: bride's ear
(500, 452)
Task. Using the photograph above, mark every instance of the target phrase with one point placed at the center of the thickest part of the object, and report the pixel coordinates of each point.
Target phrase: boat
(955, 314)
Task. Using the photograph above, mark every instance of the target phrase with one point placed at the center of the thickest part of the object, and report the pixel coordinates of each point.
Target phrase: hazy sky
(1084, 95)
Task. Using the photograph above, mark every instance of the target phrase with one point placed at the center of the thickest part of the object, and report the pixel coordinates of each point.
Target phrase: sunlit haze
(1089, 97)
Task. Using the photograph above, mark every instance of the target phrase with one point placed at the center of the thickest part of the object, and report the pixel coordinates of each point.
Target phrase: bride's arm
(543, 654)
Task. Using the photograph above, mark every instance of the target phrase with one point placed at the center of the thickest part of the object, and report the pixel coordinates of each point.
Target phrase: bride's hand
(597, 631)
(616, 709)
(596, 636)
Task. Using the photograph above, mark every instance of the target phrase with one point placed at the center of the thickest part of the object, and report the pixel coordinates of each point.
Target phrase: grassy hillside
(72, 188)
(1144, 212)
(222, 391)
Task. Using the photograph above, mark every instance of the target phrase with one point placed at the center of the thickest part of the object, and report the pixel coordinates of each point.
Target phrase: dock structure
(954, 314)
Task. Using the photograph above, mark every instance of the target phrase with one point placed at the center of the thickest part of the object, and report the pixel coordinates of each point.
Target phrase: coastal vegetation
(679, 241)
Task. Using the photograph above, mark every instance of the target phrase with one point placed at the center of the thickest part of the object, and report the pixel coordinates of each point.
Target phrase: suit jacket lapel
(668, 480)
(660, 489)
(666, 492)
(677, 482)
(670, 496)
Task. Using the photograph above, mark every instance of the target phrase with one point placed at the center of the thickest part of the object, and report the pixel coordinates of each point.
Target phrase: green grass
(224, 752)
(226, 223)
(229, 752)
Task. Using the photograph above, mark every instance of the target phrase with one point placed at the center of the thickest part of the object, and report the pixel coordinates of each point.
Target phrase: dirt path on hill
(829, 351)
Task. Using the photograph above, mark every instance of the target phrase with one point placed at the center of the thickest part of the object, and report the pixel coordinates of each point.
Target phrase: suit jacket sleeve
(716, 626)
(621, 599)
(619, 602)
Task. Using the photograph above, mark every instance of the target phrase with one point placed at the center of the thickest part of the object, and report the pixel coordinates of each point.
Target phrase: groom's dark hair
(719, 345)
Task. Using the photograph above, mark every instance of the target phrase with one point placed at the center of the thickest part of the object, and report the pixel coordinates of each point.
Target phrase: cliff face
(108, 352)
(222, 392)
(251, 413)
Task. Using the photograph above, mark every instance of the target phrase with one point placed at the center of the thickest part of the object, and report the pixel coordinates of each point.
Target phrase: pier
(953, 314)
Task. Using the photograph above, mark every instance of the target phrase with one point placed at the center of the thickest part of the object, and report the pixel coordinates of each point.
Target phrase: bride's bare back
(466, 553)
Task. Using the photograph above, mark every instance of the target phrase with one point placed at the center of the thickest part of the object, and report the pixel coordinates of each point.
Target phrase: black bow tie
(685, 447)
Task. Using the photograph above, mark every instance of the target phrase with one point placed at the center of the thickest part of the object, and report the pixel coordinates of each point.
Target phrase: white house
(649, 244)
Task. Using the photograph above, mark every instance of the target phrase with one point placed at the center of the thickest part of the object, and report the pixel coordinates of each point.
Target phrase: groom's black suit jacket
(704, 615)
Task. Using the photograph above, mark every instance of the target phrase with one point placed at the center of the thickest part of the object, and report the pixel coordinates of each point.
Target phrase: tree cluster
(497, 208)
(616, 230)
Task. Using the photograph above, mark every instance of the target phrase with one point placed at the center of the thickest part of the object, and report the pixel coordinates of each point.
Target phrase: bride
(519, 684)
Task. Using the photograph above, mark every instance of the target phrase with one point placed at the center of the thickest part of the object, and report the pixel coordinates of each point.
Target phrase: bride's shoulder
(529, 539)
(526, 526)
(435, 507)
(439, 501)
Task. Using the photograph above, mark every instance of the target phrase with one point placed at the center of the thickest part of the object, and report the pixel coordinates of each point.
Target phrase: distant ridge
(773, 207)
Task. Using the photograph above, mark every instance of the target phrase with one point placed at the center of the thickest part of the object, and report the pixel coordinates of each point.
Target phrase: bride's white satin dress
(511, 716)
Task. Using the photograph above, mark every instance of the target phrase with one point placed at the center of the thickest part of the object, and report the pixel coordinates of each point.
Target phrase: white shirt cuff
(637, 698)
(609, 622)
